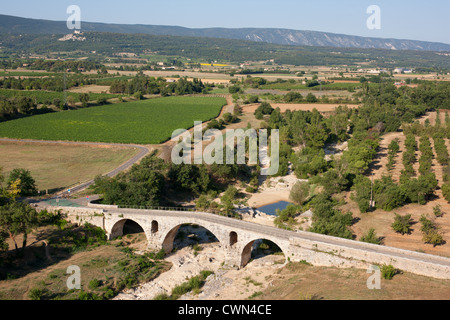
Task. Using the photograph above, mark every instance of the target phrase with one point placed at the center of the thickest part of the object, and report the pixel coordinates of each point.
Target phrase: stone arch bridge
(236, 238)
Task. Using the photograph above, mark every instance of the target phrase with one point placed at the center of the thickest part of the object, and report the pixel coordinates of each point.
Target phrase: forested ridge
(227, 50)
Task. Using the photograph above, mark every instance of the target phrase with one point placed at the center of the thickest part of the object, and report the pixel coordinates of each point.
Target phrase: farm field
(55, 166)
(142, 122)
(26, 74)
(91, 89)
(321, 107)
(300, 86)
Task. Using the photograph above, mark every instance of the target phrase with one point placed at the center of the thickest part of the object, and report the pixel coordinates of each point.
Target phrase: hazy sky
(401, 19)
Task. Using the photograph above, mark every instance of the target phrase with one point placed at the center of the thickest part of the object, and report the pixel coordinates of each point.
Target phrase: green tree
(334, 182)
(35, 294)
(27, 186)
(437, 210)
(228, 199)
(317, 131)
(286, 218)
(234, 89)
(311, 98)
(264, 109)
(328, 220)
(446, 191)
(71, 101)
(387, 194)
(202, 202)
(18, 218)
(84, 99)
(362, 186)
(299, 193)
(293, 97)
(3, 244)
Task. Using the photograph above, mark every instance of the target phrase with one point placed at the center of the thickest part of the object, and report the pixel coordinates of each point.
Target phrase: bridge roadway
(298, 237)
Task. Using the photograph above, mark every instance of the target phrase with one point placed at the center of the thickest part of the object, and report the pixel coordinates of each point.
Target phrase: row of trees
(393, 150)
(389, 195)
(151, 85)
(10, 107)
(53, 82)
(155, 182)
(60, 65)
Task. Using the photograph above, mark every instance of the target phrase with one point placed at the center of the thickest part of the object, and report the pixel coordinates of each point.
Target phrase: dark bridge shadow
(192, 235)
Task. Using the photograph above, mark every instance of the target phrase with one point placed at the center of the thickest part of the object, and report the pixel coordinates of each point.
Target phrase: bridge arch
(120, 226)
(233, 238)
(246, 253)
(154, 227)
(168, 239)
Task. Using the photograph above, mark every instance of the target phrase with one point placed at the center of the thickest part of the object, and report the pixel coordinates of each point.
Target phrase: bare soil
(296, 107)
(303, 282)
(91, 89)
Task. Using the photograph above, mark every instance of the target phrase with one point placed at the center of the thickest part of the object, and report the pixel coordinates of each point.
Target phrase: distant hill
(17, 25)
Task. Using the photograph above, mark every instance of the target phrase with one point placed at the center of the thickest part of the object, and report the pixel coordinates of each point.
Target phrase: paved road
(143, 151)
(300, 235)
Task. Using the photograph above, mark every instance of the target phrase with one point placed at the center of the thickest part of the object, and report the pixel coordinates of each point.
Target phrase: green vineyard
(142, 122)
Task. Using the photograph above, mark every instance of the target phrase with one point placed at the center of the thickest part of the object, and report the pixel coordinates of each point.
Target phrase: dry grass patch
(299, 281)
(61, 166)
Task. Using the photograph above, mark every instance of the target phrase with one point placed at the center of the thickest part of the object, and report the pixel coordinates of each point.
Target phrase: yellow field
(213, 65)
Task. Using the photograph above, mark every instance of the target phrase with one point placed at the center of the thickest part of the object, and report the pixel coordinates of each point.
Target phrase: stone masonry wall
(322, 251)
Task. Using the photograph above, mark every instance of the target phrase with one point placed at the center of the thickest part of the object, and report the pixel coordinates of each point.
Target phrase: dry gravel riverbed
(224, 284)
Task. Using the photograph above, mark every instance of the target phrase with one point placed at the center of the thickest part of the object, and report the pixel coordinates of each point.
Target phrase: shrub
(402, 224)
(388, 272)
(83, 295)
(264, 109)
(109, 294)
(94, 284)
(446, 191)
(234, 89)
(371, 237)
(433, 237)
(102, 101)
(431, 232)
(138, 95)
(35, 294)
(437, 210)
